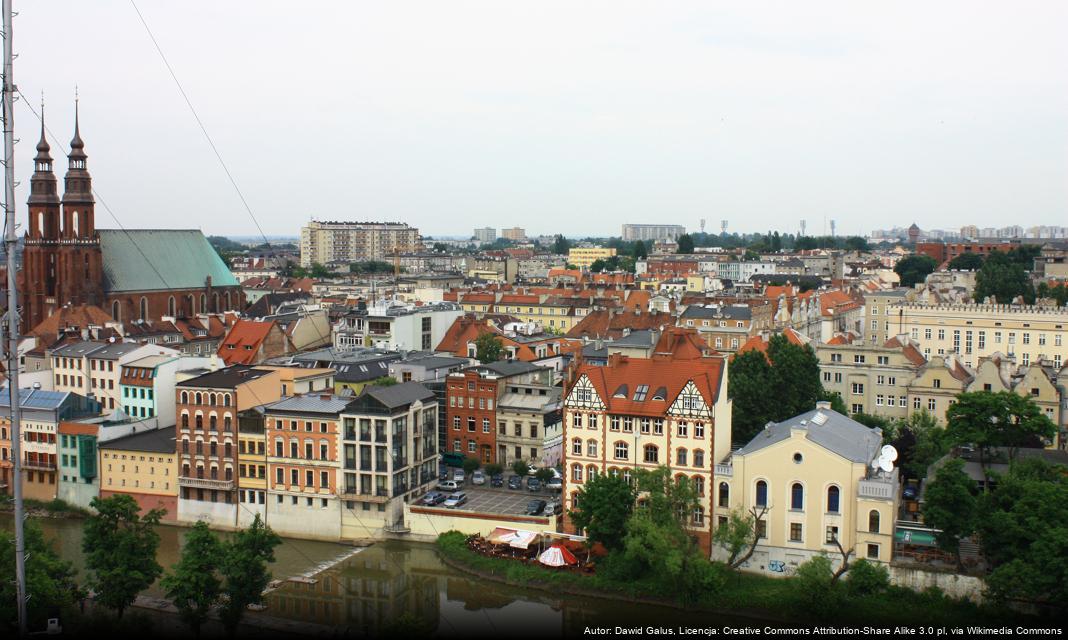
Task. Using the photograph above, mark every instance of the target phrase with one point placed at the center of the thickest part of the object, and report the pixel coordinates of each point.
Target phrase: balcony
(877, 489)
(38, 465)
(204, 483)
(724, 470)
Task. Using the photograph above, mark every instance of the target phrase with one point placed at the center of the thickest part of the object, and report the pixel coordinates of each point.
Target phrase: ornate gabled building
(132, 274)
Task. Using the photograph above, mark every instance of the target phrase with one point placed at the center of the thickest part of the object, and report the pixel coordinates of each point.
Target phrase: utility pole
(10, 244)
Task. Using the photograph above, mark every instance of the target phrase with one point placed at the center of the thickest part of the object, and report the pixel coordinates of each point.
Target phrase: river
(356, 591)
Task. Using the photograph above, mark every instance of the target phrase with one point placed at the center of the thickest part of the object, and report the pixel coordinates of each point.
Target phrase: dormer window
(660, 394)
(640, 392)
(621, 392)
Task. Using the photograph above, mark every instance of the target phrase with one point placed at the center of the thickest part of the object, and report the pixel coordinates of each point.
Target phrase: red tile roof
(242, 344)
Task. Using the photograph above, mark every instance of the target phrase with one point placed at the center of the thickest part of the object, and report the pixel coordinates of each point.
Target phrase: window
(873, 551)
(761, 494)
(795, 532)
(576, 446)
(724, 494)
(576, 473)
(621, 451)
(591, 448)
(832, 499)
(651, 453)
(832, 534)
(873, 521)
(681, 457)
(797, 496)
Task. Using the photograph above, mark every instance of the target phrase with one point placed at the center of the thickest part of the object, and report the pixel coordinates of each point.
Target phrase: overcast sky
(569, 117)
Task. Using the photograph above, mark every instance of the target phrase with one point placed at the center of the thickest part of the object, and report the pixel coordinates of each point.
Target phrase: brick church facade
(134, 274)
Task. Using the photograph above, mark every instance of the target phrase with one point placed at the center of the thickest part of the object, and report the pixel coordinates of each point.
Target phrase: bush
(867, 578)
(814, 592)
(470, 464)
(521, 468)
(494, 469)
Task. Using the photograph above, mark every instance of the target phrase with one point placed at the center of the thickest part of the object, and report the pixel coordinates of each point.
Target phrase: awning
(499, 535)
(915, 537)
(521, 539)
(557, 556)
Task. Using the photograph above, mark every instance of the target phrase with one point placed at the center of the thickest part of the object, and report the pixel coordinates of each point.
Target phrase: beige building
(882, 313)
(143, 466)
(93, 369)
(583, 257)
(526, 409)
(639, 414)
(871, 379)
(1039, 382)
(812, 479)
(515, 234)
(346, 242)
(974, 331)
(938, 384)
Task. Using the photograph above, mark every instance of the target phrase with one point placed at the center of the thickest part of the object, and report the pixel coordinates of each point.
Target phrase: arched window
(200, 421)
(652, 453)
(198, 396)
(832, 499)
(213, 422)
(227, 301)
(74, 221)
(215, 302)
(144, 308)
(185, 397)
(203, 303)
(591, 448)
(622, 450)
(698, 485)
(797, 496)
(576, 473)
(211, 399)
(227, 421)
(170, 306)
(873, 521)
(681, 456)
(591, 473)
(40, 223)
(185, 420)
(761, 494)
(226, 399)
(576, 446)
(116, 311)
(724, 494)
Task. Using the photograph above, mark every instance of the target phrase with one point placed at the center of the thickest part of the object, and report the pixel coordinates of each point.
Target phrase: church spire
(43, 181)
(77, 147)
(43, 156)
(78, 185)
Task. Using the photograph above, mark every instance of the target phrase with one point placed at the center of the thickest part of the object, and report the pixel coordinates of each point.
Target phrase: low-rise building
(871, 379)
(527, 409)
(143, 466)
(811, 481)
(389, 456)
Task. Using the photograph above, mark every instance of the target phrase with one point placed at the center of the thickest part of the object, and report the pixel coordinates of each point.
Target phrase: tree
(950, 506)
(383, 381)
(488, 347)
(921, 442)
(494, 469)
(791, 370)
(914, 269)
(520, 468)
(604, 505)
(49, 580)
(685, 242)
(193, 583)
(1003, 280)
(469, 465)
(966, 262)
(639, 252)
(1023, 526)
(597, 266)
(120, 550)
(739, 535)
(561, 246)
(544, 474)
(244, 569)
(817, 592)
(1003, 419)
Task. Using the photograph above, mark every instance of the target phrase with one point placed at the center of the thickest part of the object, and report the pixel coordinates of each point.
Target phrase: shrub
(867, 578)
(814, 592)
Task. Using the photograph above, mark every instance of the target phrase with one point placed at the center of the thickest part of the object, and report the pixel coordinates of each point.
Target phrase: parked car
(456, 499)
(533, 484)
(478, 478)
(556, 484)
(554, 507)
(449, 485)
(433, 498)
(497, 480)
(515, 482)
(535, 507)
(459, 476)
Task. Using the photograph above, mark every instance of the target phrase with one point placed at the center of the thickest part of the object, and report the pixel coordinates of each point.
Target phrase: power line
(200, 123)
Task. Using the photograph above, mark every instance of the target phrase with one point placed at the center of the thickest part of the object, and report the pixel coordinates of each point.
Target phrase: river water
(356, 591)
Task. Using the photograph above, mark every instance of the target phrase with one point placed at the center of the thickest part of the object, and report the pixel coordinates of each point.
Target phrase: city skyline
(628, 116)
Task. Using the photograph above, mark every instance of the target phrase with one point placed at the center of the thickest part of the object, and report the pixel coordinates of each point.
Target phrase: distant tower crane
(802, 227)
(723, 226)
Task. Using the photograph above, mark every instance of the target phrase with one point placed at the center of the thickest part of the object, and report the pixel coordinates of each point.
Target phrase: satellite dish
(887, 455)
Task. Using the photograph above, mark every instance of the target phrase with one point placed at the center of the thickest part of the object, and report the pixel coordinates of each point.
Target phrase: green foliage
(685, 243)
(383, 381)
(867, 578)
(815, 592)
(639, 251)
(604, 505)
(244, 567)
(966, 262)
(1058, 292)
(791, 370)
(1023, 526)
(914, 269)
(544, 474)
(440, 247)
(494, 469)
(371, 266)
(520, 468)
(561, 246)
(316, 271)
(613, 263)
(469, 465)
(488, 347)
(1003, 419)
(120, 550)
(950, 505)
(193, 583)
(50, 580)
(737, 536)
(1003, 279)
(921, 443)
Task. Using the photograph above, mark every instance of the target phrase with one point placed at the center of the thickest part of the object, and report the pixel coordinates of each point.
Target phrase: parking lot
(486, 499)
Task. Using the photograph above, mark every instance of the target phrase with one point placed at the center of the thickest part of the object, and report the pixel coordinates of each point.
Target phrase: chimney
(616, 359)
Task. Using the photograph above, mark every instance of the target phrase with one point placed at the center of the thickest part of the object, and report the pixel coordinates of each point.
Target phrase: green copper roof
(183, 257)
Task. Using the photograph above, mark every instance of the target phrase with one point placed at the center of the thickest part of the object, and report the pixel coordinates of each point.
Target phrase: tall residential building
(583, 257)
(636, 413)
(346, 242)
(632, 232)
(485, 235)
(515, 234)
(143, 466)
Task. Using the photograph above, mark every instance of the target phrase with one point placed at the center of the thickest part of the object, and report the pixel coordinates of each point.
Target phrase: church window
(144, 308)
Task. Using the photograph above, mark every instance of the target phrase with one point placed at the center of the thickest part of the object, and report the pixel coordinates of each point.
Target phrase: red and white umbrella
(557, 556)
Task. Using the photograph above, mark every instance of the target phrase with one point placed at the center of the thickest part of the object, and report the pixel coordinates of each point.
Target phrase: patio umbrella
(557, 556)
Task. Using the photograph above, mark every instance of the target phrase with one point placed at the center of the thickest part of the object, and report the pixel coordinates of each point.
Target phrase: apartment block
(583, 257)
(335, 243)
(143, 466)
(872, 379)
